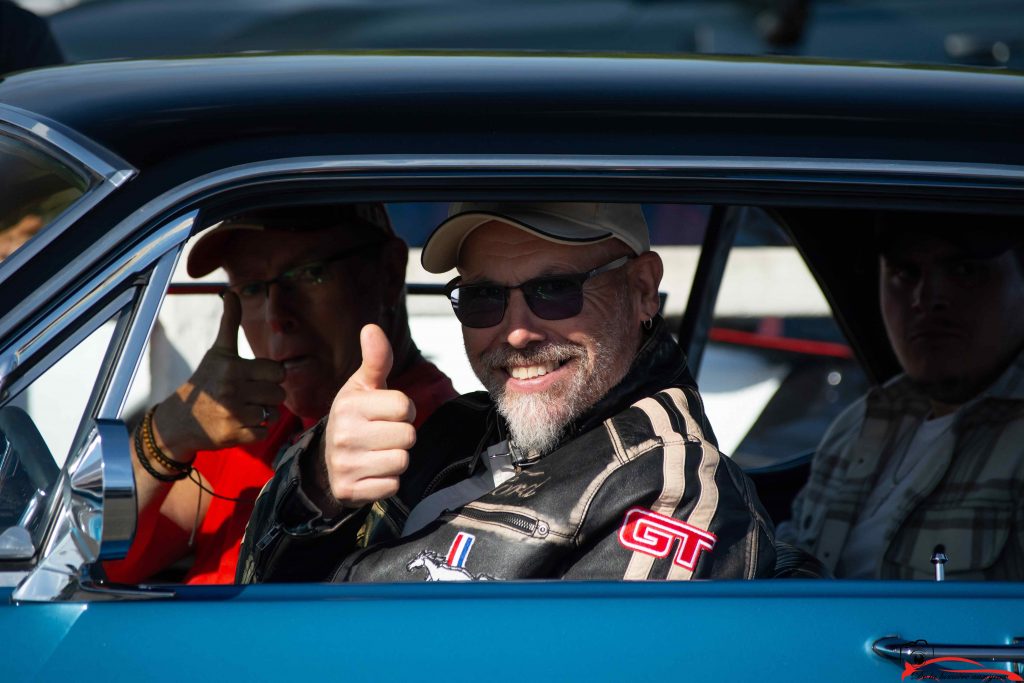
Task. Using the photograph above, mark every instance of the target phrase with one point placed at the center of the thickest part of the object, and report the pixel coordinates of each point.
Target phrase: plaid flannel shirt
(968, 500)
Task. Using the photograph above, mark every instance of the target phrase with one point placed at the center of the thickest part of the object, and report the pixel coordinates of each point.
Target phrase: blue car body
(769, 631)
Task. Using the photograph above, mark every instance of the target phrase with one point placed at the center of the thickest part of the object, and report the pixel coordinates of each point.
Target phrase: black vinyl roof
(149, 112)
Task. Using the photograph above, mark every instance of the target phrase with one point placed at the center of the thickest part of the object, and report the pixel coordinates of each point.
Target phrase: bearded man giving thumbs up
(588, 457)
(302, 282)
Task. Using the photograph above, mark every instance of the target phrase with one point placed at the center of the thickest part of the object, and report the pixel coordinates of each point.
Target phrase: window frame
(151, 236)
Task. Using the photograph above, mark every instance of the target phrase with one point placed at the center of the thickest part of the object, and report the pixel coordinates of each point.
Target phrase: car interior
(776, 307)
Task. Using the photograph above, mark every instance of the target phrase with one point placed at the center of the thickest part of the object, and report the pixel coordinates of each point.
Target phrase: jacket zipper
(269, 540)
(513, 520)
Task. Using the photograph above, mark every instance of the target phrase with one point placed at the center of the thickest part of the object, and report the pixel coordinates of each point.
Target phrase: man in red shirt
(302, 283)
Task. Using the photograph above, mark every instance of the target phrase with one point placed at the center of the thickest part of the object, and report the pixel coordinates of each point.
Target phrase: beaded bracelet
(140, 452)
(154, 451)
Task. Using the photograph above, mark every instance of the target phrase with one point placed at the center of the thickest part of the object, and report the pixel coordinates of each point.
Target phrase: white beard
(537, 421)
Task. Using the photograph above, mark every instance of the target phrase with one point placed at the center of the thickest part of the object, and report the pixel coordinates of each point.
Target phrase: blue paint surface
(555, 631)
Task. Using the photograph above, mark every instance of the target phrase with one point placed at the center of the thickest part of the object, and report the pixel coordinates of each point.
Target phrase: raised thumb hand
(377, 359)
(230, 319)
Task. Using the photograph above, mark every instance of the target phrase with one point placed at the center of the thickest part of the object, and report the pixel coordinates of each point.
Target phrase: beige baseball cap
(208, 252)
(560, 222)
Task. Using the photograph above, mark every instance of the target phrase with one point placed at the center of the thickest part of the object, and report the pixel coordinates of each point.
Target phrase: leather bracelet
(140, 453)
(154, 451)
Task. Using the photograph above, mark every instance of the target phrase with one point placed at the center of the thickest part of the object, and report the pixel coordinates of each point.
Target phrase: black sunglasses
(552, 297)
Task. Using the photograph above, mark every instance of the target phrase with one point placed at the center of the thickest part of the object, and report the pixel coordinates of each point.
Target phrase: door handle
(900, 650)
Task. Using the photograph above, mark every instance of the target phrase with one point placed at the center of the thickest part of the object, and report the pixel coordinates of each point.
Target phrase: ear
(645, 272)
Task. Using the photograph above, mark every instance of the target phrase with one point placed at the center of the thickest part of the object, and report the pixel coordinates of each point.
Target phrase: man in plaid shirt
(934, 456)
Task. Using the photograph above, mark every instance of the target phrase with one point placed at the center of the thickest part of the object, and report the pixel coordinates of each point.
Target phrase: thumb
(227, 335)
(377, 359)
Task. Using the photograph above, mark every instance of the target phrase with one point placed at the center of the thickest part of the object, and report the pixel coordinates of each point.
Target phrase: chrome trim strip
(625, 164)
(7, 365)
(144, 318)
(6, 460)
(122, 319)
(97, 160)
(104, 170)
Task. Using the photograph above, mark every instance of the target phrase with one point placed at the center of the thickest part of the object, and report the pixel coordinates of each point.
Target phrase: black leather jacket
(637, 490)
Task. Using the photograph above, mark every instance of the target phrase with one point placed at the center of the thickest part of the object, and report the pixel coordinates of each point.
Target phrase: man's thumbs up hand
(377, 361)
(369, 430)
(230, 322)
(227, 401)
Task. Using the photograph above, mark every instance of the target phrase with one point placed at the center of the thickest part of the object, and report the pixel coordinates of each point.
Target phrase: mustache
(505, 356)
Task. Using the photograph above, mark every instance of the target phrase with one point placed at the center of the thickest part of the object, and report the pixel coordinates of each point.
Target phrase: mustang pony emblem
(448, 568)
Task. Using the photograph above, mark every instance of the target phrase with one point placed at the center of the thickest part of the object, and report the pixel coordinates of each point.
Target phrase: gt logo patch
(654, 534)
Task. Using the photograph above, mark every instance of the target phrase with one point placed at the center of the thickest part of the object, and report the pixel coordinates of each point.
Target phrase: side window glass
(37, 427)
(38, 188)
(777, 370)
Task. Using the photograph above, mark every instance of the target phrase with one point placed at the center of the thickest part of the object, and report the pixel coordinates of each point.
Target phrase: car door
(59, 622)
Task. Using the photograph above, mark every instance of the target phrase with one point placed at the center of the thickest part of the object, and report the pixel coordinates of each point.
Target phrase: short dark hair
(981, 235)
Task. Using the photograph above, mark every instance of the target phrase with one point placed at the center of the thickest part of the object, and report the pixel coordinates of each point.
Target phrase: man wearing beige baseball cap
(302, 282)
(588, 457)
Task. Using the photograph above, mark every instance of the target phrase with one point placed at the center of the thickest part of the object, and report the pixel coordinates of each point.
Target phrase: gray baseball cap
(561, 222)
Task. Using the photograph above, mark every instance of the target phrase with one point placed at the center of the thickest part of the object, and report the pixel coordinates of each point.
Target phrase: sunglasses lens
(478, 305)
(554, 298)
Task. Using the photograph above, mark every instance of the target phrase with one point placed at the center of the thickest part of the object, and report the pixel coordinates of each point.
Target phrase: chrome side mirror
(94, 517)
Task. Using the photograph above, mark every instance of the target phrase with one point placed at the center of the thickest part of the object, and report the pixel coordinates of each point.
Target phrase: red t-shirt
(241, 472)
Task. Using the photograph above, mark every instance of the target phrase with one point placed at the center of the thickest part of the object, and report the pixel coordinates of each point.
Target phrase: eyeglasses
(305, 276)
(552, 297)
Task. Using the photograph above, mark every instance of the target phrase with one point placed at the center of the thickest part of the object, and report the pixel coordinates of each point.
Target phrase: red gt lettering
(654, 534)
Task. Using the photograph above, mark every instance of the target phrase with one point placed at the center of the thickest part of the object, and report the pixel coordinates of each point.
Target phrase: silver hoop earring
(648, 324)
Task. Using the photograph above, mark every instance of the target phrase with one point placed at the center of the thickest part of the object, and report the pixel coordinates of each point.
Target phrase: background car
(981, 32)
(136, 158)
